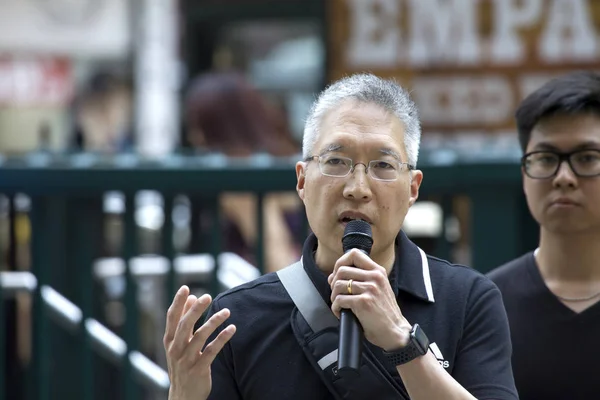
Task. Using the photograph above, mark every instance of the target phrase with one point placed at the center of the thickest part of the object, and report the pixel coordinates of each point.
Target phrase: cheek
(591, 194)
(394, 207)
(534, 194)
(320, 195)
(533, 190)
(325, 190)
(330, 192)
(391, 217)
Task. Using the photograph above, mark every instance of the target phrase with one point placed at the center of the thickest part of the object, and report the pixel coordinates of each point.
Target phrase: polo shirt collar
(410, 272)
(412, 269)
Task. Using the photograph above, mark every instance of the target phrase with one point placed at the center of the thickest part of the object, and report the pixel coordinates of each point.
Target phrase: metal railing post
(40, 384)
(168, 248)
(216, 243)
(3, 343)
(260, 238)
(130, 389)
(84, 215)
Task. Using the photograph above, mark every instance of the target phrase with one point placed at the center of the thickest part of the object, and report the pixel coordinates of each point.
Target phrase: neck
(326, 260)
(569, 257)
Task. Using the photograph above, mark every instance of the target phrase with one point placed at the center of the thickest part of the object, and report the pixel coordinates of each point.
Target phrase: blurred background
(146, 144)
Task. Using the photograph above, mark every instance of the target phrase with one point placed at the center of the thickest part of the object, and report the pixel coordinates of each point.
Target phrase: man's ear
(300, 178)
(415, 184)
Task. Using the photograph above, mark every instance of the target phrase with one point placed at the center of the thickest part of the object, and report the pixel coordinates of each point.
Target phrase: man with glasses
(432, 330)
(552, 294)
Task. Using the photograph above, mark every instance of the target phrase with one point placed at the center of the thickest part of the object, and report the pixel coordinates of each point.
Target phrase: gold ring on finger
(350, 286)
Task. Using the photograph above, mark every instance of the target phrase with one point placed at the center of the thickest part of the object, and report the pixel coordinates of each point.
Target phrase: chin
(569, 226)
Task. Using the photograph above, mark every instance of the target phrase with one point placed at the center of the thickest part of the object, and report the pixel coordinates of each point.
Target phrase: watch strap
(417, 346)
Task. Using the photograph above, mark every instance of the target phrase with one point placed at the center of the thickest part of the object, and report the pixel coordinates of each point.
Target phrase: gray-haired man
(432, 330)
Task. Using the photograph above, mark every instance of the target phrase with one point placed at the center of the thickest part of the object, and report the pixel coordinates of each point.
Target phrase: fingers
(189, 303)
(361, 281)
(191, 300)
(365, 285)
(182, 315)
(345, 272)
(350, 302)
(174, 314)
(358, 259)
(186, 323)
(214, 347)
(206, 330)
(352, 288)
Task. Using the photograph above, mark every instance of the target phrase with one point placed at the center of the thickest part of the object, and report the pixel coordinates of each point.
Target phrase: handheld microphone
(357, 235)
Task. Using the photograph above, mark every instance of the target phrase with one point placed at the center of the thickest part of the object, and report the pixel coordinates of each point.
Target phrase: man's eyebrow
(588, 145)
(545, 146)
(583, 146)
(390, 152)
(331, 148)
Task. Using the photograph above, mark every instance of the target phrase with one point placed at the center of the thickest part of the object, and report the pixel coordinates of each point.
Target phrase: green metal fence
(74, 354)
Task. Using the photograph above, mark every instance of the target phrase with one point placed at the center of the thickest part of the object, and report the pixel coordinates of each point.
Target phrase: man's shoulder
(451, 268)
(507, 272)
(264, 284)
(257, 305)
(446, 271)
(458, 285)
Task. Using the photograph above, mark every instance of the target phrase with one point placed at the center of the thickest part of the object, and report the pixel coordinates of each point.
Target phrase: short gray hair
(367, 88)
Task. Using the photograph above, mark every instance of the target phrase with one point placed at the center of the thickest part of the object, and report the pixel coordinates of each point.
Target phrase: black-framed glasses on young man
(545, 164)
(339, 167)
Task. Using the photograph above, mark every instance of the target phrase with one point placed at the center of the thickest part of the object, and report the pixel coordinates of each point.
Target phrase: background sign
(468, 63)
(35, 81)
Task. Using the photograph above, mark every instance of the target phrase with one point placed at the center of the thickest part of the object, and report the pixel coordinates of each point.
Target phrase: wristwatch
(418, 345)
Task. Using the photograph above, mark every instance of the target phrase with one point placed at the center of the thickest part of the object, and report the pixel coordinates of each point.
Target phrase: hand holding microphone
(357, 235)
(364, 301)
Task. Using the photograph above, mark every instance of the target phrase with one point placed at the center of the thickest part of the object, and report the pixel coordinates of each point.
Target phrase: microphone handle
(350, 342)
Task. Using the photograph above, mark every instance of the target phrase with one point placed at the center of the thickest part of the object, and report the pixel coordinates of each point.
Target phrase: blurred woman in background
(225, 113)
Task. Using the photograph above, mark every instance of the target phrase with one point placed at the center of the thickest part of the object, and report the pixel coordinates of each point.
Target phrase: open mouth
(345, 220)
(353, 215)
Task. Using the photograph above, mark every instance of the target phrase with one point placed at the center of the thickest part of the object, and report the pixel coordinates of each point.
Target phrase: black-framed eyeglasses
(339, 167)
(545, 164)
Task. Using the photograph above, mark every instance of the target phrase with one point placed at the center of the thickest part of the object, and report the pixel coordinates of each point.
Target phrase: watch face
(420, 339)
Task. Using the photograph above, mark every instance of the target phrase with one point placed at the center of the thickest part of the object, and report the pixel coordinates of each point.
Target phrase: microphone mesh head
(358, 235)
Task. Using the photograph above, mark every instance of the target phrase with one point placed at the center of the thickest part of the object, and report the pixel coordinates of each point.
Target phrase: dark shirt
(232, 238)
(459, 309)
(555, 349)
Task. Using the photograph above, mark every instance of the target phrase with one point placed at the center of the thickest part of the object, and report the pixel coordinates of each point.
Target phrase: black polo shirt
(460, 310)
(554, 348)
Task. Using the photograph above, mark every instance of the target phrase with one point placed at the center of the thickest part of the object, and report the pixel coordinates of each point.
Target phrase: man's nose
(565, 176)
(358, 185)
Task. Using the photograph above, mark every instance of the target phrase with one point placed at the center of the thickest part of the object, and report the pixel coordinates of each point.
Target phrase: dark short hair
(573, 93)
(235, 117)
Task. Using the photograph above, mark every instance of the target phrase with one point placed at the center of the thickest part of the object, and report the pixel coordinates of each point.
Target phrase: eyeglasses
(545, 164)
(339, 167)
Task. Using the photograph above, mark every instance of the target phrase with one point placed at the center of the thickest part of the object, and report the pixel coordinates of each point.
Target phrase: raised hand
(189, 366)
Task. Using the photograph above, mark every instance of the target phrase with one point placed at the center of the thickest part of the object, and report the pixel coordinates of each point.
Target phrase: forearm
(278, 241)
(426, 379)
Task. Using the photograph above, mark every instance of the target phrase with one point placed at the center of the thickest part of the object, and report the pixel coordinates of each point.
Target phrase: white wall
(77, 28)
